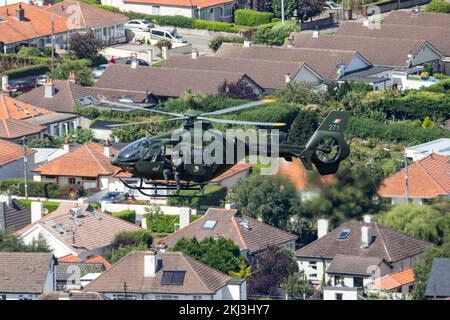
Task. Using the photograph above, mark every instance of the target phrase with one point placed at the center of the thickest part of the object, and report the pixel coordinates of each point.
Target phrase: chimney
(322, 227)
(366, 23)
(366, 236)
(195, 54)
(150, 263)
(164, 52)
(5, 83)
(66, 146)
(107, 148)
(230, 205)
(20, 13)
(49, 88)
(315, 34)
(287, 78)
(185, 217)
(161, 247)
(368, 218)
(134, 62)
(150, 55)
(73, 78)
(76, 212)
(37, 209)
(247, 43)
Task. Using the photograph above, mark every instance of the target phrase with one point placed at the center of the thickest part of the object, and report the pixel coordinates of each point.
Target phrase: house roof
(24, 272)
(387, 244)
(440, 146)
(15, 216)
(427, 178)
(93, 231)
(10, 152)
(379, 51)
(295, 172)
(64, 270)
(437, 36)
(94, 259)
(37, 23)
(87, 160)
(236, 169)
(268, 74)
(439, 281)
(395, 279)
(73, 295)
(424, 19)
(322, 61)
(165, 82)
(11, 129)
(90, 16)
(11, 108)
(353, 265)
(183, 3)
(230, 225)
(198, 279)
(68, 93)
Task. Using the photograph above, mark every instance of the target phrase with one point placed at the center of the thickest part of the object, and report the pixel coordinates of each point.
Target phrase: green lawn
(49, 205)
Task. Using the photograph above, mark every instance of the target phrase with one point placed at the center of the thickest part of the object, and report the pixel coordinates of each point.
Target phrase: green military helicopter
(171, 161)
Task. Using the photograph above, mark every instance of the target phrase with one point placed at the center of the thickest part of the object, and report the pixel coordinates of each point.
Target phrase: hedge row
(41, 189)
(27, 71)
(252, 18)
(127, 215)
(165, 223)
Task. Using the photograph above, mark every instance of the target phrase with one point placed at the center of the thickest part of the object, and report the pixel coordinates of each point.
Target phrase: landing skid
(168, 186)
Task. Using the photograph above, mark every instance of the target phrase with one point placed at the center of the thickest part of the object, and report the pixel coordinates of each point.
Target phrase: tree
(440, 6)
(244, 272)
(9, 242)
(422, 269)
(420, 221)
(303, 127)
(219, 253)
(300, 94)
(85, 45)
(129, 133)
(238, 90)
(269, 270)
(81, 136)
(81, 69)
(296, 286)
(306, 9)
(289, 8)
(271, 198)
(126, 242)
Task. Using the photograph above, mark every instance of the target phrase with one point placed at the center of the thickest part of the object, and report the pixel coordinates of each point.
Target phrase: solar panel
(209, 224)
(174, 278)
(344, 234)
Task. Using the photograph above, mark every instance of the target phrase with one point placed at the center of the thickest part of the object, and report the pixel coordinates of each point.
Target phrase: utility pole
(282, 11)
(53, 44)
(406, 180)
(25, 167)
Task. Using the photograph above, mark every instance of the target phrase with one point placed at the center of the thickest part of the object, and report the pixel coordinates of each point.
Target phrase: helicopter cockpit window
(135, 150)
(154, 154)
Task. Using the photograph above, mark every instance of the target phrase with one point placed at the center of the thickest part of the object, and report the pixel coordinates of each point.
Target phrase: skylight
(209, 224)
(343, 234)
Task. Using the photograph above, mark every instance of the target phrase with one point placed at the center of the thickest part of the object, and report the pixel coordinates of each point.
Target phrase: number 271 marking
(333, 127)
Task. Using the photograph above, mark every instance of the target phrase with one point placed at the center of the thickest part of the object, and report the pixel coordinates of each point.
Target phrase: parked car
(173, 36)
(113, 197)
(331, 5)
(141, 62)
(21, 86)
(40, 80)
(98, 71)
(139, 24)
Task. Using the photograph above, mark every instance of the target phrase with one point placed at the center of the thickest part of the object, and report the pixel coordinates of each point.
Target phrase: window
(166, 297)
(343, 234)
(338, 281)
(338, 296)
(227, 10)
(358, 281)
(209, 224)
(3, 297)
(197, 297)
(72, 181)
(156, 10)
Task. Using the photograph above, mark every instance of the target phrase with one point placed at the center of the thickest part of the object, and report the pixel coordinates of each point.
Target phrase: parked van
(160, 34)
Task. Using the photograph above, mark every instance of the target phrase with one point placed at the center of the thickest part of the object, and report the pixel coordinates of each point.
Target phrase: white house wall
(305, 266)
(357, 63)
(306, 75)
(163, 10)
(57, 247)
(426, 55)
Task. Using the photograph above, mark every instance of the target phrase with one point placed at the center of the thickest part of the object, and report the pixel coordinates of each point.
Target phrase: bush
(440, 6)
(276, 35)
(164, 43)
(49, 205)
(89, 112)
(132, 238)
(162, 223)
(214, 197)
(217, 41)
(35, 189)
(127, 215)
(252, 18)
(28, 71)
(215, 26)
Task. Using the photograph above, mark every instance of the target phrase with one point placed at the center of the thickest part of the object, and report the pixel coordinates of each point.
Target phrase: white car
(98, 71)
(139, 24)
(41, 79)
(161, 34)
(331, 5)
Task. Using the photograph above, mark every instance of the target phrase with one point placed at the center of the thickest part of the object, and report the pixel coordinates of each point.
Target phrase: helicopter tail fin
(327, 147)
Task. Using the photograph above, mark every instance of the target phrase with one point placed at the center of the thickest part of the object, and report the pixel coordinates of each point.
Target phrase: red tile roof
(10, 152)
(238, 168)
(94, 259)
(10, 129)
(11, 108)
(296, 173)
(183, 3)
(87, 160)
(427, 178)
(395, 279)
(37, 23)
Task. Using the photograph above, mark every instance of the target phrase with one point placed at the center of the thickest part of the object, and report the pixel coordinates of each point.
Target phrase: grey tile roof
(439, 279)
(165, 82)
(64, 270)
(73, 295)
(387, 244)
(353, 265)
(424, 19)
(199, 278)
(24, 272)
(51, 118)
(231, 225)
(322, 61)
(15, 216)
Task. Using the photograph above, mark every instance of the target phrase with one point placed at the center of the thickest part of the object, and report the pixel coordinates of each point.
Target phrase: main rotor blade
(237, 108)
(251, 123)
(144, 122)
(123, 105)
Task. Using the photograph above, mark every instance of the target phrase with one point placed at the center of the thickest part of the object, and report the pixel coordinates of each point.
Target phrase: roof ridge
(93, 154)
(426, 171)
(187, 258)
(3, 100)
(5, 124)
(241, 237)
(383, 242)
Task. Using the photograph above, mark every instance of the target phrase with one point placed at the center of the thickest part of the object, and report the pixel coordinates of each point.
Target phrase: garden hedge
(28, 71)
(252, 18)
(127, 215)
